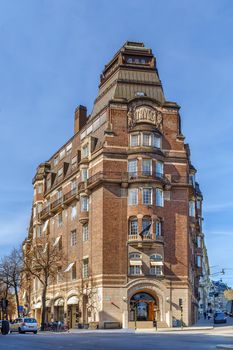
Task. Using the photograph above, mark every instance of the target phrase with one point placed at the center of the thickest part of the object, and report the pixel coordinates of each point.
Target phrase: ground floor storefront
(142, 303)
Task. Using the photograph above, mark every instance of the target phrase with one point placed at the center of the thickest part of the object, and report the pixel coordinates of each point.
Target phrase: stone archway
(143, 307)
(156, 290)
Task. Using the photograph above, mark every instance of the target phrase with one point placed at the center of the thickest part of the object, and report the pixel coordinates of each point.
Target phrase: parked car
(220, 317)
(24, 324)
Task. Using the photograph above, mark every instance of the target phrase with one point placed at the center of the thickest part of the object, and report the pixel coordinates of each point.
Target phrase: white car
(24, 324)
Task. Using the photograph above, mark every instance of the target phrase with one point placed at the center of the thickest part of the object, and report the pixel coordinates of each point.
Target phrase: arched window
(135, 255)
(156, 257)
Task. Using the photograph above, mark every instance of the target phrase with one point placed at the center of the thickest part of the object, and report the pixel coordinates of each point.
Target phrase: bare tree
(42, 260)
(10, 272)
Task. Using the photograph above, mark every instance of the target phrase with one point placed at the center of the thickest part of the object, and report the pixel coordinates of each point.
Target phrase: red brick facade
(128, 160)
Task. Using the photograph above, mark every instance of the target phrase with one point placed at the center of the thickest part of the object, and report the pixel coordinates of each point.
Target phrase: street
(117, 341)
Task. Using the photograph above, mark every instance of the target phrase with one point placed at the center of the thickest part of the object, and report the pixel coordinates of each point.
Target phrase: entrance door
(142, 305)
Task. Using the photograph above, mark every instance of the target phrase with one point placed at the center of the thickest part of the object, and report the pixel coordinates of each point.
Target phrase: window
(192, 208)
(59, 219)
(133, 196)
(156, 270)
(85, 233)
(73, 162)
(84, 174)
(198, 204)
(60, 172)
(133, 227)
(158, 228)
(73, 238)
(156, 257)
(85, 268)
(147, 167)
(74, 272)
(156, 141)
(40, 188)
(159, 198)
(73, 211)
(147, 196)
(59, 194)
(199, 242)
(85, 151)
(84, 203)
(56, 160)
(73, 186)
(146, 139)
(135, 270)
(62, 154)
(134, 140)
(39, 207)
(198, 261)
(39, 231)
(132, 167)
(68, 149)
(146, 228)
(192, 179)
(159, 168)
(135, 255)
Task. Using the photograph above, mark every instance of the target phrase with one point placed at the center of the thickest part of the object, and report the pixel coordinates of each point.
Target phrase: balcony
(84, 217)
(45, 213)
(119, 177)
(57, 203)
(69, 196)
(150, 240)
(144, 176)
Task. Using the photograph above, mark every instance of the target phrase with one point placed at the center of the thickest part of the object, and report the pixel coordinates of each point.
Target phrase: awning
(69, 267)
(72, 300)
(45, 225)
(135, 262)
(59, 302)
(156, 263)
(56, 241)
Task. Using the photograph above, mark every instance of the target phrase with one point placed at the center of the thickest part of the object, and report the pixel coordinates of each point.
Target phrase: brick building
(120, 198)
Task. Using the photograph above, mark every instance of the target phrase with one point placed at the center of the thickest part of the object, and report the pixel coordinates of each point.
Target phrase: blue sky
(51, 55)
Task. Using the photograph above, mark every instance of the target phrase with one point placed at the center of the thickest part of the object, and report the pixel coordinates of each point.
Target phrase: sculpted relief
(145, 114)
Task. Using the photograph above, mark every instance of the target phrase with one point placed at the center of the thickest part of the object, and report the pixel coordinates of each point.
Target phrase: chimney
(80, 118)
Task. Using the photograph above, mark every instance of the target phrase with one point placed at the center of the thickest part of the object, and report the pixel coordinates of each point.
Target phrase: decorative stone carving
(146, 114)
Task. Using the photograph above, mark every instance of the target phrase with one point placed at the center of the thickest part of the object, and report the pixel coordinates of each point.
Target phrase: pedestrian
(204, 315)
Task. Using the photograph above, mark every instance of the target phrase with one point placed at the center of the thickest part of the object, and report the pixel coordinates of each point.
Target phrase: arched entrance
(143, 307)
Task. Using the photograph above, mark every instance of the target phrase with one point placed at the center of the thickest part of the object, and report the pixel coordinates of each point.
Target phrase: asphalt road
(120, 341)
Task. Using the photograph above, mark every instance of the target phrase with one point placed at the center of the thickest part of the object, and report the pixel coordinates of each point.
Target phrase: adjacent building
(120, 198)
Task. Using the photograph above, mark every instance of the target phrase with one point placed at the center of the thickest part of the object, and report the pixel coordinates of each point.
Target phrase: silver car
(24, 324)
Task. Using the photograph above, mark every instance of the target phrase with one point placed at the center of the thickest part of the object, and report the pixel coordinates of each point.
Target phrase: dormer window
(56, 160)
